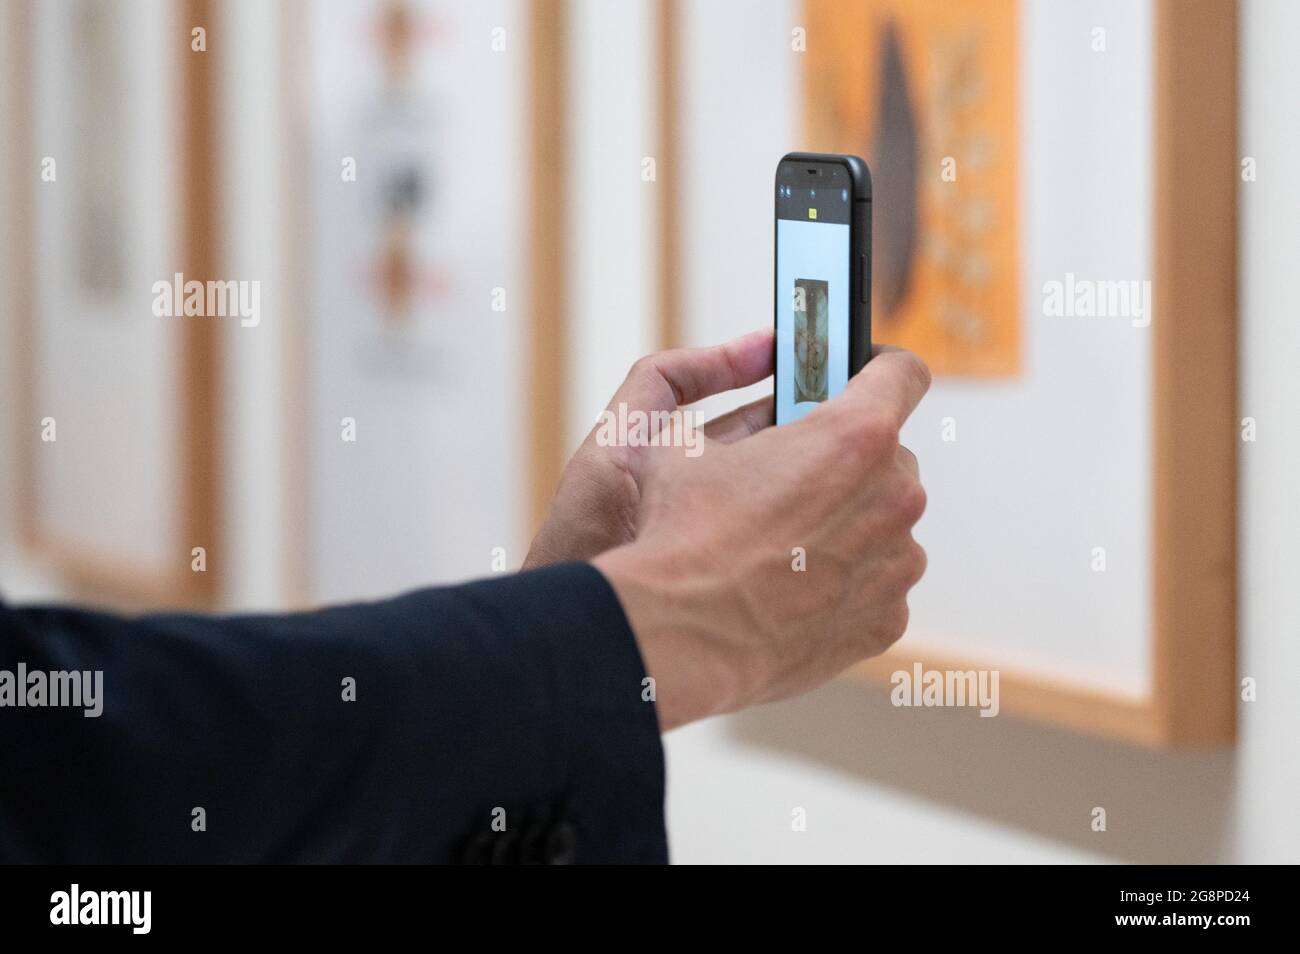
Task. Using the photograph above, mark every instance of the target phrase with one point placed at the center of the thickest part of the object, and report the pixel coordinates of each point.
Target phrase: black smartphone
(823, 278)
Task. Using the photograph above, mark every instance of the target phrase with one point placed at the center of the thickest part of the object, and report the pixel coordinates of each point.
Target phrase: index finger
(891, 385)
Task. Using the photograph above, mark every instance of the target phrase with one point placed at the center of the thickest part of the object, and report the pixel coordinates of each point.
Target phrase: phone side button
(862, 278)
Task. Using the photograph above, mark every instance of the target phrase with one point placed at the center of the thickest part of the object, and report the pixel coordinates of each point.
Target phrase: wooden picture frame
(1193, 694)
(1194, 492)
(547, 366)
(98, 573)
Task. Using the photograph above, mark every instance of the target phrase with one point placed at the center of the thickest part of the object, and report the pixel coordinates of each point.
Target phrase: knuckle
(869, 441)
(911, 501)
(916, 562)
(642, 366)
(880, 436)
(659, 369)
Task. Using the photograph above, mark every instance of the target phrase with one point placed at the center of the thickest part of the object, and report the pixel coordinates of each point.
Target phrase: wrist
(674, 619)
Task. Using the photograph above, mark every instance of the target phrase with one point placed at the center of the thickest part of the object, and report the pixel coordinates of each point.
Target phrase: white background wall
(612, 246)
(1266, 825)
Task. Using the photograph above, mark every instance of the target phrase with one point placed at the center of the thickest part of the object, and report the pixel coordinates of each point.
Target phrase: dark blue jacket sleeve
(499, 721)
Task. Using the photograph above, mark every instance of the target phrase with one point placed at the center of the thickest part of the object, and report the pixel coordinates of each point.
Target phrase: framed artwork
(1188, 693)
(118, 464)
(428, 221)
(1080, 467)
(925, 92)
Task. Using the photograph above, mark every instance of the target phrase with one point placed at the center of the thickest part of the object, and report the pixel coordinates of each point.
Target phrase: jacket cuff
(610, 748)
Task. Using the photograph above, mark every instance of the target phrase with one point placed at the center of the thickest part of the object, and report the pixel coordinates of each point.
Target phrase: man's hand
(597, 504)
(707, 570)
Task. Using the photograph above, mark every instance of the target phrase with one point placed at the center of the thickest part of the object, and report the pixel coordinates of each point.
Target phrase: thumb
(671, 379)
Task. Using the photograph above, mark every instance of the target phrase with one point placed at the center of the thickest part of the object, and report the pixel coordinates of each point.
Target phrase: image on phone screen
(812, 287)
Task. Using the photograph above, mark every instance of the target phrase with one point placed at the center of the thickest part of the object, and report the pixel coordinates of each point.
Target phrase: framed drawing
(427, 223)
(925, 93)
(117, 481)
(1081, 464)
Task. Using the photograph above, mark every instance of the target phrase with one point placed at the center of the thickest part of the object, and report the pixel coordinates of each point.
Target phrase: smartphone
(823, 278)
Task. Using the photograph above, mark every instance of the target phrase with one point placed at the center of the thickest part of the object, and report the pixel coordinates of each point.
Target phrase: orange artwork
(926, 93)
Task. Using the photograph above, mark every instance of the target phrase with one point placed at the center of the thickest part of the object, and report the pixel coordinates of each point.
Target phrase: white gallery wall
(613, 252)
(257, 437)
(1266, 826)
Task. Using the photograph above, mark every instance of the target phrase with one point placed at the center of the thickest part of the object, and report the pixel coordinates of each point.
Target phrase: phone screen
(812, 287)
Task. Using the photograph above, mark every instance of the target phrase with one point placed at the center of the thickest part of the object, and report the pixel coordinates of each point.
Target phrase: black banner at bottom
(137, 904)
